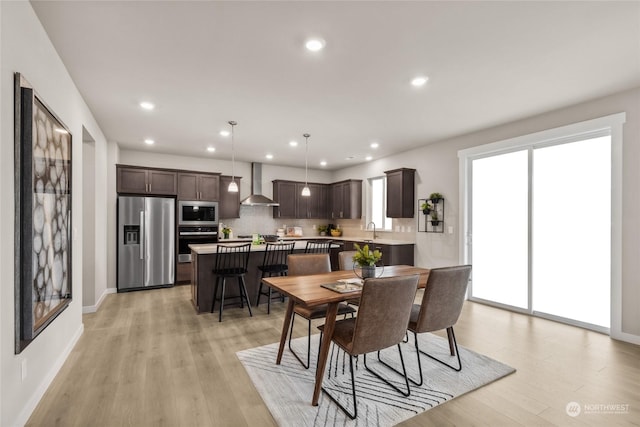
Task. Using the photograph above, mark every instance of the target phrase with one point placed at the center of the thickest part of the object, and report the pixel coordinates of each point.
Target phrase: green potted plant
(435, 197)
(434, 218)
(426, 207)
(226, 231)
(366, 259)
(322, 230)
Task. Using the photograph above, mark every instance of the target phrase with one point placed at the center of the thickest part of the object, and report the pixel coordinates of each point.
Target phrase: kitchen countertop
(301, 243)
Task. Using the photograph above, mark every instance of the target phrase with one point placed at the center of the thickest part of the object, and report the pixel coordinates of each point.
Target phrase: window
(378, 206)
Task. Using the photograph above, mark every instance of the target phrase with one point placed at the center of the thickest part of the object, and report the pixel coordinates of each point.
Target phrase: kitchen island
(203, 260)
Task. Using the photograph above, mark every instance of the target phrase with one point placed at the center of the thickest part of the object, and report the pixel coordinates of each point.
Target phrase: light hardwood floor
(146, 359)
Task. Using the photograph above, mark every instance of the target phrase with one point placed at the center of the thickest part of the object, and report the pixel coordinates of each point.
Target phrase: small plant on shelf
(434, 218)
(322, 230)
(426, 208)
(435, 197)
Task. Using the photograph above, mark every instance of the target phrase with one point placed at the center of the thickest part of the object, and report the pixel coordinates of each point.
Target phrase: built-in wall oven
(189, 235)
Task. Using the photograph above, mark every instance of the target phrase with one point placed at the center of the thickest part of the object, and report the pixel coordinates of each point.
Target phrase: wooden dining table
(307, 290)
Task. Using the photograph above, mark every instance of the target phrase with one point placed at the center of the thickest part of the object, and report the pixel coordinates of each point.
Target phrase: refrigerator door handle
(142, 236)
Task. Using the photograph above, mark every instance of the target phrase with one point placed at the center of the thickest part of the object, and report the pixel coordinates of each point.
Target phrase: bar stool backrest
(232, 259)
(318, 247)
(275, 254)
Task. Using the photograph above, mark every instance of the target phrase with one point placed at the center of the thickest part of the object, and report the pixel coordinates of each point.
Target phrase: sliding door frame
(607, 125)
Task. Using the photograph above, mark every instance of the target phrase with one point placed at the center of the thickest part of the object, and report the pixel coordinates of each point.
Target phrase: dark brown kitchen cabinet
(313, 206)
(346, 199)
(198, 186)
(229, 204)
(139, 180)
(284, 192)
(399, 254)
(400, 193)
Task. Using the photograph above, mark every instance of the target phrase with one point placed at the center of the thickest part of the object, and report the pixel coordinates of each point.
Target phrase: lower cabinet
(391, 254)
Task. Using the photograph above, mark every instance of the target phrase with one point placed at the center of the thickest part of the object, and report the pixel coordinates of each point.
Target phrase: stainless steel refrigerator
(146, 242)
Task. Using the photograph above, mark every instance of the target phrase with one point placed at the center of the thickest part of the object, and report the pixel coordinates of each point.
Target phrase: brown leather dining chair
(305, 265)
(385, 307)
(345, 260)
(440, 309)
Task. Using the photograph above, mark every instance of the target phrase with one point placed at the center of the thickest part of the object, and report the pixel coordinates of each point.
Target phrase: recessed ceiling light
(368, 158)
(269, 156)
(211, 149)
(419, 81)
(149, 141)
(147, 105)
(374, 145)
(293, 143)
(314, 45)
(323, 163)
(225, 133)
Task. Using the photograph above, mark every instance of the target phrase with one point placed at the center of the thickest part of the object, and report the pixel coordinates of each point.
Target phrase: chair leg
(224, 282)
(453, 348)
(215, 294)
(293, 318)
(404, 373)
(353, 415)
(243, 294)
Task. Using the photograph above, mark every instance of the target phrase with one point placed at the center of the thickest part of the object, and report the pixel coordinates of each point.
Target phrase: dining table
(308, 290)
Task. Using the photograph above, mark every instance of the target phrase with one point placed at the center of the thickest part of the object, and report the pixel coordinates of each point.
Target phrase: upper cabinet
(229, 205)
(346, 199)
(139, 180)
(198, 186)
(294, 205)
(284, 192)
(400, 193)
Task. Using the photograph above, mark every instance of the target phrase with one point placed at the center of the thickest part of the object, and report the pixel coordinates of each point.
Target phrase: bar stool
(231, 261)
(318, 247)
(274, 263)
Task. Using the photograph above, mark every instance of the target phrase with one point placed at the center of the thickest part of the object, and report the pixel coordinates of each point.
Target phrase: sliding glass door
(539, 228)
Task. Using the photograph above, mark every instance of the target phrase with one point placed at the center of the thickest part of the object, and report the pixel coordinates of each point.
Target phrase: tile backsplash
(259, 219)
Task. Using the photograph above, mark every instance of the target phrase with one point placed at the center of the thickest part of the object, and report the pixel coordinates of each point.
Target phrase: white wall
(25, 48)
(89, 224)
(437, 170)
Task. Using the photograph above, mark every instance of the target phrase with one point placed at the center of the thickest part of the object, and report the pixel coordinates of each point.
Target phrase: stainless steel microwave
(197, 213)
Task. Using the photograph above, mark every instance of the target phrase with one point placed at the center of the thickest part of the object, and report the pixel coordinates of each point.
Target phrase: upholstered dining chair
(385, 307)
(305, 265)
(345, 260)
(440, 309)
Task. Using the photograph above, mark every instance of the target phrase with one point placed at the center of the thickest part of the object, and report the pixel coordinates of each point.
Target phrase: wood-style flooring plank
(147, 359)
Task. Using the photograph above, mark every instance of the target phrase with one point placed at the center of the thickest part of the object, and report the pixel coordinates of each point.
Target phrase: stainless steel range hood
(256, 198)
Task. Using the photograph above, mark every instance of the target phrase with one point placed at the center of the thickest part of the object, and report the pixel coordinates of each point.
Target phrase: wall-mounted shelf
(433, 221)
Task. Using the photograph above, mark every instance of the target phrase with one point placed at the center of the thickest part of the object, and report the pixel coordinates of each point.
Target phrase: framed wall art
(42, 215)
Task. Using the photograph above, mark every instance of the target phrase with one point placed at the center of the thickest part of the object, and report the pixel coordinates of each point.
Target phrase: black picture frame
(43, 231)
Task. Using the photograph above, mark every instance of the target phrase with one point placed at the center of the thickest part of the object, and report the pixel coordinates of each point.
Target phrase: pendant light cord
(306, 160)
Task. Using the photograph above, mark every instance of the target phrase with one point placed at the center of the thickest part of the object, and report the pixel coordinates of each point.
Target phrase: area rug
(287, 388)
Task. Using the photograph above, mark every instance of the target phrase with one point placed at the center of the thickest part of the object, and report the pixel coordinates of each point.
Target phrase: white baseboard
(630, 338)
(94, 308)
(30, 406)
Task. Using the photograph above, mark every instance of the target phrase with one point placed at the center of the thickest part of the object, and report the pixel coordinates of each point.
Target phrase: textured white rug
(287, 388)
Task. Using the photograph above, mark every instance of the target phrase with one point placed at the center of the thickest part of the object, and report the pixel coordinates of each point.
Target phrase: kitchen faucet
(375, 236)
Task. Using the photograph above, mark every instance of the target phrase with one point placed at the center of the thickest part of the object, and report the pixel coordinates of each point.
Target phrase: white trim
(42, 388)
(93, 308)
(612, 123)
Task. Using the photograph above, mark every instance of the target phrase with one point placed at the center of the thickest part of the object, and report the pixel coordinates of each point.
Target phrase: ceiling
(205, 63)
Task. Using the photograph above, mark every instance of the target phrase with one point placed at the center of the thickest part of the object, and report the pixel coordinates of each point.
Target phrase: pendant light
(233, 187)
(305, 191)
